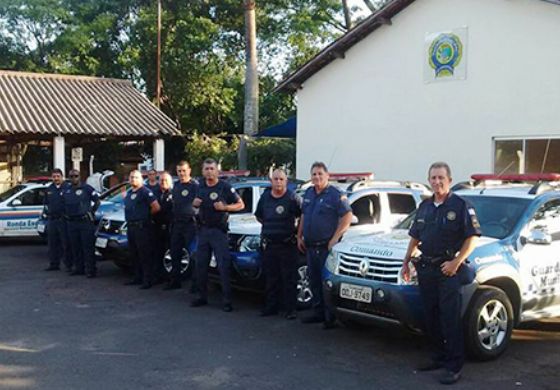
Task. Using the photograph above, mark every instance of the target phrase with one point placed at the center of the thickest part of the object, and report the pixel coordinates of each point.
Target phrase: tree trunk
(251, 114)
(347, 16)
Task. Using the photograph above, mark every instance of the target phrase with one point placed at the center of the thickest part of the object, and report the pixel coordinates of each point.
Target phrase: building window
(526, 155)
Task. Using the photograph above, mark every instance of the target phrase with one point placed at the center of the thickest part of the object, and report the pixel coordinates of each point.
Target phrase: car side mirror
(16, 202)
(538, 237)
(354, 220)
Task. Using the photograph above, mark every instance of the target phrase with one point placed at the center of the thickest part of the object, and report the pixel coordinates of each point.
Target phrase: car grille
(234, 241)
(111, 227)
(383, 270)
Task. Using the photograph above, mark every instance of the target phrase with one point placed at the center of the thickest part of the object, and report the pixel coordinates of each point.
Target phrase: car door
(24, 212)
(540, 260)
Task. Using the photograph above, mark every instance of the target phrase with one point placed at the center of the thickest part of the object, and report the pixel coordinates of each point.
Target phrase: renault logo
(364, 268)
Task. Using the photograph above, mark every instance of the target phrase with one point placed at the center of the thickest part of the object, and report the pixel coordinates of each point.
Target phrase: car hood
(246, 224)
(392, 245)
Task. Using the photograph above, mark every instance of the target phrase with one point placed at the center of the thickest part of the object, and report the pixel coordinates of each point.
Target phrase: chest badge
(279, 209)
(213, 196)
(133, 196)
(184, 192)
(451, 216)
(79, 192)
(364, 268)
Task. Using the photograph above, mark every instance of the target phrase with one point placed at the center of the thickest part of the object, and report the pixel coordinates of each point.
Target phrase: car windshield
(7, 194)
(497, 215)
(116, 194)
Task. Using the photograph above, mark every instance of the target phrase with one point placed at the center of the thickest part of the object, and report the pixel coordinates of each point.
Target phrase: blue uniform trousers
(441, 296)
(141, 251)
(161, 245)
(81, 235)
(213, 240)
(182, 234)
(57, 236)
(316, 257)
(280, 269)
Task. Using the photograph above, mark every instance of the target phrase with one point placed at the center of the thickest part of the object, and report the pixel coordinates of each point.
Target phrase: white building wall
(372, 110)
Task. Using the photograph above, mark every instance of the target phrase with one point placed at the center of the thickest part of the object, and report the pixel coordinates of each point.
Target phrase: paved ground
(59, 332)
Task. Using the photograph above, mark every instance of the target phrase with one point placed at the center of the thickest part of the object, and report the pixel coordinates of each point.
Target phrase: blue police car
(112, 243)
(517, 264)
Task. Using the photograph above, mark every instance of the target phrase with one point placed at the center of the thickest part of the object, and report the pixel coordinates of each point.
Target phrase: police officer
(56, 225)
(326, 215)
(139, 205)
(80, 202)
(162, 220)
(153, 183)
(216, 198)
(277, 211)
(445, 231)
(183, 228)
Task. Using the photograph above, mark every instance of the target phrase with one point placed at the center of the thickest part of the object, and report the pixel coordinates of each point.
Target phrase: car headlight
(413, 280)
(332, 263)
(250, 244)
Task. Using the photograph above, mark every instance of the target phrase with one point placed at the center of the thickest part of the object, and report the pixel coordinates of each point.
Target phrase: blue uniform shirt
(78, 200)
(321, 213)
(165, 200)
(221, 192)
(442, 230)
(278, 215)
(137, 204)
(156, 189)
(183, 196)
(54, 202)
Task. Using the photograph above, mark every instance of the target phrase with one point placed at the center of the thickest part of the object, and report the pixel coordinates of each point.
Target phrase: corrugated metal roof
(36, 103)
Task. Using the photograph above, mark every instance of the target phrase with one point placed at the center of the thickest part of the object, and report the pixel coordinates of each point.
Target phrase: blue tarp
(283, 130)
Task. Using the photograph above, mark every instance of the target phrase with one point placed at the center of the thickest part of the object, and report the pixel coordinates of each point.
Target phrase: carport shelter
(61, 109)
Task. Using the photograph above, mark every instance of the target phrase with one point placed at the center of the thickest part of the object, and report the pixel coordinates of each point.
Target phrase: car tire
(488, 324)
(304, 294)
(186, 262)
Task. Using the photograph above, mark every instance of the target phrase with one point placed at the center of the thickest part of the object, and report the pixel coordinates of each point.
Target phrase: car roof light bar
(524, 177)
(351, 176)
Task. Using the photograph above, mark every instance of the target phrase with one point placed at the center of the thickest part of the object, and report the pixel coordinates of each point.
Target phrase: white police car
(20, 209)
(517, 264)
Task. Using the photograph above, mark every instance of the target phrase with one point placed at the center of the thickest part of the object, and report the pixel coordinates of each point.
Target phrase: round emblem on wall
(451, 215)
(364, 268)
(133, 196)
(213, 196)
(279, 209)
(78, 192)
(185, 192)
(445, 54)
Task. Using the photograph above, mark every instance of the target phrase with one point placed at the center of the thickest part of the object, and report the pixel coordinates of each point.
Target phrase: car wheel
(488, 324)
(185, 262)
(304, 293)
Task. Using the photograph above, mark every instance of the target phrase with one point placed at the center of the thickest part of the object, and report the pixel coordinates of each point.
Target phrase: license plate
(41, 228)
(101, 242)
(356, 293)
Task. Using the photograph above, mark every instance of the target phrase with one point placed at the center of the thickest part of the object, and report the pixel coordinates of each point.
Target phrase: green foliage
(265, 153)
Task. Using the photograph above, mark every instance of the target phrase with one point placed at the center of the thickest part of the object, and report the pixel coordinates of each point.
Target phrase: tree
(251, 111)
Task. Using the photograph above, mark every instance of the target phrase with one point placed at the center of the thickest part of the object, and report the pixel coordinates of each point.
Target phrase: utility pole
(251, 113)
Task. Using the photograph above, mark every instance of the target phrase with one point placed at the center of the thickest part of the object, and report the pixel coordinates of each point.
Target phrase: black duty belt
(431, 260)
(54, 217)
(77, 218)
(317, 244)
(278, 241)
(138, 224)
